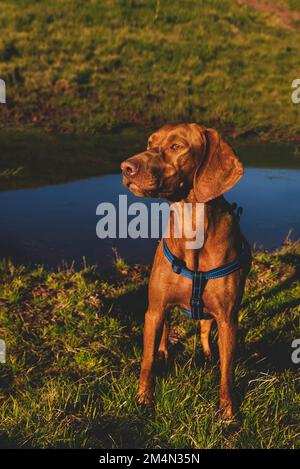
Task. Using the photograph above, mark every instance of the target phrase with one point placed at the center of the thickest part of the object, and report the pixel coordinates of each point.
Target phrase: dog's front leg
(154, 320)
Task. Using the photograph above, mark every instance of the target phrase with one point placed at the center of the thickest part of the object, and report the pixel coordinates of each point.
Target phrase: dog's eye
(175, 147)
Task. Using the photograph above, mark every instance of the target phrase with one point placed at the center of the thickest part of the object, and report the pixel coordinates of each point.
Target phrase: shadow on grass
(7, 442)
(289, 259)
(131, 306)
(119, 432)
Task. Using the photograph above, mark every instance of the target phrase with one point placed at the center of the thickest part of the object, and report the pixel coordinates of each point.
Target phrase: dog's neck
(218, 226)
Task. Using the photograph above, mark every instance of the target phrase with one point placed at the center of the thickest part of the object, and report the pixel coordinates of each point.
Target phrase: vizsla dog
(189, 163)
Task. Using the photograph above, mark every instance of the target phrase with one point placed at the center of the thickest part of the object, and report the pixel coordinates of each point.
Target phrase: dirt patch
(286, 17)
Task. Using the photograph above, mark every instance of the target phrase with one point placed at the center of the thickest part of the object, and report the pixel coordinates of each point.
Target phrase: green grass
(74, 343)
(88, 66)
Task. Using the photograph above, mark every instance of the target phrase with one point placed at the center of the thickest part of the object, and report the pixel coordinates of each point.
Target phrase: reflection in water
(55, 223)
(47, 218)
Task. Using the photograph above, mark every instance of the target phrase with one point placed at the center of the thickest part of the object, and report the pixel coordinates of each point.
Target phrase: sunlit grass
(74, 344)
(94, 65)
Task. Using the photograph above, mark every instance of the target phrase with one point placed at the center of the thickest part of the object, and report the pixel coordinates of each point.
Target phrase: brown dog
(190, 163)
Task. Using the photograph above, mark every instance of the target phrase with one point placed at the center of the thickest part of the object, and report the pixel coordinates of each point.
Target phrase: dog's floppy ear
(218, 171)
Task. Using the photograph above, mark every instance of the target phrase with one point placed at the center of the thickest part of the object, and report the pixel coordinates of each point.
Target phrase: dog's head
(181, 157)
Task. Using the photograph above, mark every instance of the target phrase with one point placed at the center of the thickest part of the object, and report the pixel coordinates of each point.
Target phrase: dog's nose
(129, 168)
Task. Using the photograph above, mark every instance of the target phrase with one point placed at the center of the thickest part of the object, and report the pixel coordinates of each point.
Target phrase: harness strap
(199, 278)
(196, 299)
(179, 266)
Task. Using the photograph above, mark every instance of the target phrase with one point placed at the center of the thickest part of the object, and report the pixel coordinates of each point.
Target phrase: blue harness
(200, 278)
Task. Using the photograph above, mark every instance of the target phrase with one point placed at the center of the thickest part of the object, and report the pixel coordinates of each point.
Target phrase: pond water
(57, 222)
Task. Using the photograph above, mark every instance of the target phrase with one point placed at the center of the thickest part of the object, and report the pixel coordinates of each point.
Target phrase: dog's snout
(129, 168)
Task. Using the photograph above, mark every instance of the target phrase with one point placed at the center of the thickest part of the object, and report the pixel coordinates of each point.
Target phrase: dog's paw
(228, 411)
(145, 398)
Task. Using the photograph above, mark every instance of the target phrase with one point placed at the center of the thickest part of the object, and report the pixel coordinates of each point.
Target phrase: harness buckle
(178, 265)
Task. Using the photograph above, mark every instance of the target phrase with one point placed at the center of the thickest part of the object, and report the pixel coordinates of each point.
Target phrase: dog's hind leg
(205, 327)
(163, 346)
